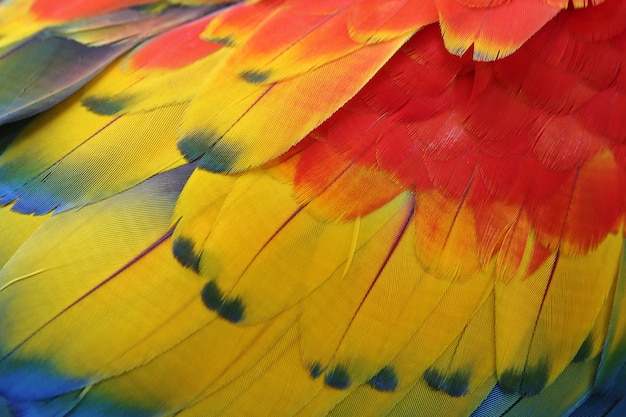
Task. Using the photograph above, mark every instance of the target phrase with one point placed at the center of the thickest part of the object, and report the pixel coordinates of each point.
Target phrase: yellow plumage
(334, 208)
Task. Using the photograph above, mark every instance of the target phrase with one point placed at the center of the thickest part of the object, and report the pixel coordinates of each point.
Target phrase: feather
(48, 65)
(58, 179)
(330, 208)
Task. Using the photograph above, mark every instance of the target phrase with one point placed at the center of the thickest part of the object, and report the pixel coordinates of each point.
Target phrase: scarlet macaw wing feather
(372, 225)
(58, 179)
(48, 65)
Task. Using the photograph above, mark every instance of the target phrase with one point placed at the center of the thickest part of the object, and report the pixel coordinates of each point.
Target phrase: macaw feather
(37, 307)
(16, 228)
(330, 208)
(52, 61)
(560, 398)
(60, 179)
(611, 372)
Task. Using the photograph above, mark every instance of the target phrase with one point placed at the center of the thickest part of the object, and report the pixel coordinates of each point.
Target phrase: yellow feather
(15, 228)
(323, 402)
(422, 400)
(42, 309)
(79, 163)
(212, 365)
(417, 399)
(445, 321)
(558, 398)
(552, 312)
(134, 86)
(198, 206)
(329, 313)
(614, 356)
(16, 24)
(274, 385)
(231, 116)
(469, 361)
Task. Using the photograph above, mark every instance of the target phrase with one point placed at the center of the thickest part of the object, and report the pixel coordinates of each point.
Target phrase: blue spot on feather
(77, 404)
(338, 378)
(184, 253)
(33, 199)
(315, 370)
(25, 380)
(219, 158)
(256, 77)
(385, 380)
(194, 145)
(585, 350)
(510, 381)
(107, 106)
(453, 383)
(529, 382)
(205, 145)
(211, 296)
(535, 379)
(230, 309)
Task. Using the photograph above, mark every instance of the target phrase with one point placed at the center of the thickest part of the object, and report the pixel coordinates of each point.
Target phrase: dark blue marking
(184, 253)
(454, 383)
(618, 410)
(529, 382)
(6, 198)
(211, 296)
(10, 131)
(24, 380)
(585, 350)
(105, 105)
(194, 145)
(434, 378)
(205, 145)
(35, 199)
(31, 196)
(598, 405)
(256, 77)
(337, 378)
(510, 381)
(315, 370)
(535, 379)
(385, 380)
(56, 406)
(230, 309)
(219, 158)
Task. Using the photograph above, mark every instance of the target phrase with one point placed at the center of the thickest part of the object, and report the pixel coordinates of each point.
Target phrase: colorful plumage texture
(312, 208)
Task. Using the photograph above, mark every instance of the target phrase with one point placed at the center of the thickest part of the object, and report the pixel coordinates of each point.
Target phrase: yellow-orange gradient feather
(297, 208)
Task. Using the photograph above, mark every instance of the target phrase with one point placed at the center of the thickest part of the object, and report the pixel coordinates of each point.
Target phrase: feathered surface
(313, 208)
